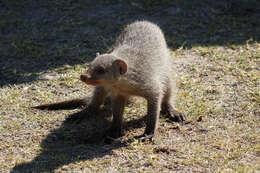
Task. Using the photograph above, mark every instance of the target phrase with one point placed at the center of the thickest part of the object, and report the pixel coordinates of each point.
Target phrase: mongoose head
(105, 70)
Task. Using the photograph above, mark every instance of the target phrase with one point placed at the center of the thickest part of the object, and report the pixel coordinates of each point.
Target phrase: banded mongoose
(139, 64)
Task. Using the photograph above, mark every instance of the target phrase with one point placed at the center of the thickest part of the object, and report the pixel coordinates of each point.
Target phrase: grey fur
(139, 65)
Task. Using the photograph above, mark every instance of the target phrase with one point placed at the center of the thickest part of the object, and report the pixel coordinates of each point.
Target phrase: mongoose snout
(86, 78)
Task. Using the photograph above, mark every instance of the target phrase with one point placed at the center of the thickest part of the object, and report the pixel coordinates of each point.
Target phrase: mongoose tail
(68, 104)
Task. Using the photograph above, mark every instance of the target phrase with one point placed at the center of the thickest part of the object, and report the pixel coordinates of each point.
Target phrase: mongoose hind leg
(171, 113)
(167, 108)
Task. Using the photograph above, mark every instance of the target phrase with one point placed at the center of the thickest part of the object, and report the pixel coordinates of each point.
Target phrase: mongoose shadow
(73, 142)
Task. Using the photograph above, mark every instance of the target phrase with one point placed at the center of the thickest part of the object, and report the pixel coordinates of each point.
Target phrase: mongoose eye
(100, 70)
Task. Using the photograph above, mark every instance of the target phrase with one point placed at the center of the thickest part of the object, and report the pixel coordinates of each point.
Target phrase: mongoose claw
(112, 135)
(146, 138)
(177, 116)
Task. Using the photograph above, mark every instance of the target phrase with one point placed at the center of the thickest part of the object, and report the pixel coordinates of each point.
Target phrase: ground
(45, 44)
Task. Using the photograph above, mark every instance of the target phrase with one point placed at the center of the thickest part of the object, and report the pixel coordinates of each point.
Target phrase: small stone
(48, 76)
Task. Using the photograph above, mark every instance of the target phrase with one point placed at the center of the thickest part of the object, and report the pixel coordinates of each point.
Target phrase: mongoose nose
(83, 77)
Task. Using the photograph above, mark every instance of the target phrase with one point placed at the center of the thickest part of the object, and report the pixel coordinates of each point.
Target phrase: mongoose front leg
(98, 98)
(99, 95)
(115, 130)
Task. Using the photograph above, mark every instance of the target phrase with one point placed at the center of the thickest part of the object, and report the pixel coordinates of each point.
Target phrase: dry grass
(217, 56)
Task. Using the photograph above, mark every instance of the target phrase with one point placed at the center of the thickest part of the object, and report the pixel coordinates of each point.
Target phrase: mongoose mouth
(89, 81)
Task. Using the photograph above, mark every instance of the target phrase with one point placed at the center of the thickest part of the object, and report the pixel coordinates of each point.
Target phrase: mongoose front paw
(114, 133)
(147, 138)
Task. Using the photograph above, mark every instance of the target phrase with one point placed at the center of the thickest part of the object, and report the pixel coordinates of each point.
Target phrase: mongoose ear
(122, 66)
